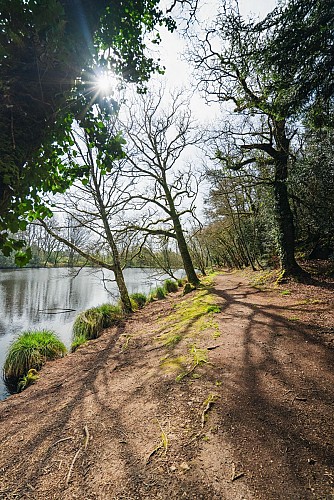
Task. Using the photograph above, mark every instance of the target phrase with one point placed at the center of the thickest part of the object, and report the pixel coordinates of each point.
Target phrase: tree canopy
(298, 56)
(48, 52)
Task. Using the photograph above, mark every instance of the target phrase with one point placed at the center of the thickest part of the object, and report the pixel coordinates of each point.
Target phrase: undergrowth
(90, 323)
(30, 351)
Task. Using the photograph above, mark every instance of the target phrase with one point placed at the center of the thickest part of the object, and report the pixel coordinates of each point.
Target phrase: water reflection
(52, 298)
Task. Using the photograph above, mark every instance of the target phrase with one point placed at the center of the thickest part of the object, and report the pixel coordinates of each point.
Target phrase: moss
(188, 288)
(190, 317)
(172, 339)
(213, 308)
(174, 364)
(31, 350)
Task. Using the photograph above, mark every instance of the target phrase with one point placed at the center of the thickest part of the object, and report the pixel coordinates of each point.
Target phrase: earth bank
(226, 393)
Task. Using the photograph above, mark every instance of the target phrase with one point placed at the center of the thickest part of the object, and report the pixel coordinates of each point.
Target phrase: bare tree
(166, 187)
(96, 202)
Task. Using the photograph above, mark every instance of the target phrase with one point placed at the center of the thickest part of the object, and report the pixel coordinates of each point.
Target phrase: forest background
(104, 164)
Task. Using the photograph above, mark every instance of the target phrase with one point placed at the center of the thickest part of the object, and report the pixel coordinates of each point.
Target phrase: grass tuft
(158, 293)
(139, 300)
(171, 286)
(88, 324)
(77, 342)
(112, 314)
(31, 350)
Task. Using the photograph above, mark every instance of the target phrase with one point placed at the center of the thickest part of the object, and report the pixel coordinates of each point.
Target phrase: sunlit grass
(90, 323)
(139, 300)
(170, 286)
(31, 350)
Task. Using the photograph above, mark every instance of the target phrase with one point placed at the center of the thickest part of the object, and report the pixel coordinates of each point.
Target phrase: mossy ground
(182, 331)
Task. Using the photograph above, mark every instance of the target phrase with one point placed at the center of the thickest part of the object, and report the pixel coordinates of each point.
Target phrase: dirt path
(253, 420)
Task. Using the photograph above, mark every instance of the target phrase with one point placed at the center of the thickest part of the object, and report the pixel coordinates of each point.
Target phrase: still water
(52, 298)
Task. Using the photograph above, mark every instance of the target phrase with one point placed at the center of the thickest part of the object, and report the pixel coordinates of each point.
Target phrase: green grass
(112, 314)
(139, 300)
(158, 293)
(30, 351)
(90, 323)
(170, 286)
(77, 342)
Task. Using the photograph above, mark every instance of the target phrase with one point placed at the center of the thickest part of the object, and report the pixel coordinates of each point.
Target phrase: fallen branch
(235, 476)
(86, 431)
(61, 440)
(68, 477)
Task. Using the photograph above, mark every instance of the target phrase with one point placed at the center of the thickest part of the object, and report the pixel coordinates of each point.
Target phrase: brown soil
(255, 422)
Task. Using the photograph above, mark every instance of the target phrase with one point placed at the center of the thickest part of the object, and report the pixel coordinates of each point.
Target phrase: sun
(105, 83)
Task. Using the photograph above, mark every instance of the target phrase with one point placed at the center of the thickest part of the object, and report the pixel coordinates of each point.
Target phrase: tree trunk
(284, 216)
(183, 247)
(117, 268)
(285, 224)
(181, 241)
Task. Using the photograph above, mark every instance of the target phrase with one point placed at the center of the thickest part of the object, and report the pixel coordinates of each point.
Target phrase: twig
(162, 445)
(84, 446)
(71, 467)
(61, 440)
(86, 431)
(235, 476)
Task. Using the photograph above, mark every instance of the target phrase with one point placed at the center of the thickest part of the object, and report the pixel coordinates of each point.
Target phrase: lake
(52, 298)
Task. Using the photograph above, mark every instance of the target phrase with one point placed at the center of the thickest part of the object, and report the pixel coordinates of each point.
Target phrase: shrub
(139, 300)
(31, 350)
(27, 380)
(180, 282)
(170, 286)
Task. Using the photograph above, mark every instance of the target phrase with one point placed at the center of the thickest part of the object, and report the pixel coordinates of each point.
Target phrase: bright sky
(179, 72)
(173, 47)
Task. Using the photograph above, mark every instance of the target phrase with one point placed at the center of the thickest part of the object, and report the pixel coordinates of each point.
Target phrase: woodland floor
(236, 404)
